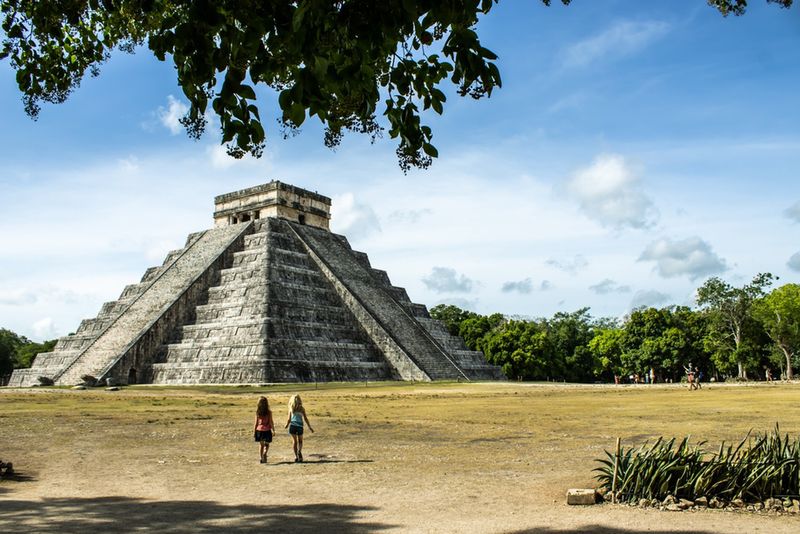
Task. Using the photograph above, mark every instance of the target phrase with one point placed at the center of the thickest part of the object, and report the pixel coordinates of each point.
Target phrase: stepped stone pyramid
(267, 295)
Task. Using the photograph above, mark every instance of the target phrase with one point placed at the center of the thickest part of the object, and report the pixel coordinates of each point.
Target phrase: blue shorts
(296, 430)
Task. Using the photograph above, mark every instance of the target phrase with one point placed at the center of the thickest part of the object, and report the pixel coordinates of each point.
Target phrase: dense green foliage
(650, 342)
(18, 351)
(759, 468)
(336, 60)
(779, 313)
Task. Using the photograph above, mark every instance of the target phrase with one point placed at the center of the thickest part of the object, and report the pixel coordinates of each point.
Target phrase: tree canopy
(342, 61)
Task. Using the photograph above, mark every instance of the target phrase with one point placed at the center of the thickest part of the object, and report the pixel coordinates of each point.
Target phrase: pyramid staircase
(273, 317)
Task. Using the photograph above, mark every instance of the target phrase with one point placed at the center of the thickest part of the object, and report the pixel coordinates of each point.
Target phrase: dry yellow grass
(409, 457)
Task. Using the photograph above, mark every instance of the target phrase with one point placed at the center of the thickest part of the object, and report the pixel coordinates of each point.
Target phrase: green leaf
(245, 91)
(430, 150)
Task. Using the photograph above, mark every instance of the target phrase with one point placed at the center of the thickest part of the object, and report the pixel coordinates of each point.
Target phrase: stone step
(270, 371)
(237, 292)
(132, 291)
(216, 311)
(93, 326)
(322, 350)
(308, 312)
(74, 342)
(249, 257)
(290, 258)
(210, 350)
(245, 274)
(255, 240)
(150, 274)
(268, 327)
(297, 275)
(55, 359)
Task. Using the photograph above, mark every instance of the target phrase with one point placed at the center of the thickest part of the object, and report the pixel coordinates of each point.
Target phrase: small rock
(608, 497)
(685, 504)
(701, 502)
(715, 503)
(673, 508)
(644, 503)
(737, 503)
(581, 496)
(773, 504)
(669, 499)
(794, 508)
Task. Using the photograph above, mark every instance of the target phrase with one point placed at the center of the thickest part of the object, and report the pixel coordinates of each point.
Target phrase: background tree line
(17, 351)
(733, 332)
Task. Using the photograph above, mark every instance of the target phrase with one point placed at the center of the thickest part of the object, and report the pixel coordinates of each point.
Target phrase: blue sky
(635, 149)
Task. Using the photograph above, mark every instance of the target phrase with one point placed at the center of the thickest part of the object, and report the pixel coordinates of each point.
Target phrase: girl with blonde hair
(264, 428)
(297, 414)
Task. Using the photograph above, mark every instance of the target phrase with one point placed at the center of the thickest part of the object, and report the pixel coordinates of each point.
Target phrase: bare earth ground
(386, 457)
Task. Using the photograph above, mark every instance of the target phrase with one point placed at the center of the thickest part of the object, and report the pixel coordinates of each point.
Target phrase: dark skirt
(263, 435)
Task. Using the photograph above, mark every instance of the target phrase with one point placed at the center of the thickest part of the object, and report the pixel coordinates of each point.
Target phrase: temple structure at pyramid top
(274, 199)
(268, 294)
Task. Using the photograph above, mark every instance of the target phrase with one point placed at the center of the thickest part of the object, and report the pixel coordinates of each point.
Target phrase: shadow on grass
(123, 514)
(320, 461)
(601, 529)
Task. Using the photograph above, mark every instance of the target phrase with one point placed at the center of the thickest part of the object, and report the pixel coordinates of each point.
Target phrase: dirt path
(417, 458)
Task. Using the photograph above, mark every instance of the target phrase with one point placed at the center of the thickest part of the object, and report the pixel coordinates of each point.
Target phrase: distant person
(264, 428)
(690, 377)
(768, 374)
(652, 376)
(297, 414)
(698, 378)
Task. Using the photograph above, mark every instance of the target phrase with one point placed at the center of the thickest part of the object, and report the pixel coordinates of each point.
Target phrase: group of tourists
(265, 427)
(694, 377)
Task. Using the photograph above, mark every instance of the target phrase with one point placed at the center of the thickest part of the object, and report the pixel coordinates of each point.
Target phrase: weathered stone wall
(145, 323)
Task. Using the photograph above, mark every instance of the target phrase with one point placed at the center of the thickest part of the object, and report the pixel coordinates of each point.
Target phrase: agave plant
(766, 465)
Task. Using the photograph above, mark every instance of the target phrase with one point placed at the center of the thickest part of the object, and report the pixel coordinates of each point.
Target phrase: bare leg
(294, 446)
(300, 448)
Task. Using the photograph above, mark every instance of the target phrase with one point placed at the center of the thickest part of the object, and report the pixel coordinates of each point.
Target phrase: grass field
(406, 457)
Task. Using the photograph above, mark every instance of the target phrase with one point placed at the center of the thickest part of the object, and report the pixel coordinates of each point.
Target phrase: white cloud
(353, 218)
(793, 212)
(794, 262)
(621, 39)
(523, 286)
(446, 280)
(408, 216)
(545, 285)
(608, 286)
(17, 297)
(692, 257)
(571, 266)
(649, 298)
(171, 115)
(45, 329)
(610, 192)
